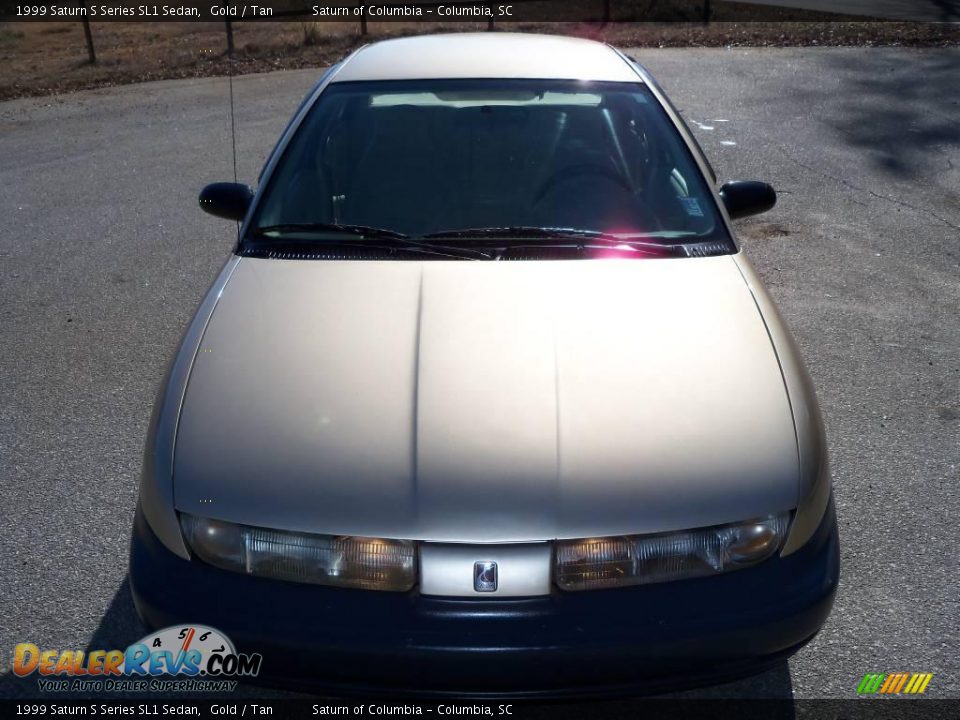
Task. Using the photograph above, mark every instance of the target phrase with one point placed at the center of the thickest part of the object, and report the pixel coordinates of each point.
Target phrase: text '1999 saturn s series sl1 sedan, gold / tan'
(486, 400)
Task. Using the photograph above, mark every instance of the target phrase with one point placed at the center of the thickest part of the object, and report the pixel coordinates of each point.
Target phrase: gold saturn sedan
(486, 400)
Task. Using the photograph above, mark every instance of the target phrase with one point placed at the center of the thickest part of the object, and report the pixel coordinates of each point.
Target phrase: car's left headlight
(341, 561)
(608, 562)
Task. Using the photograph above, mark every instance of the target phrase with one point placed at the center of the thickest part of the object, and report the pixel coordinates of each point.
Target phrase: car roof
(487, 55)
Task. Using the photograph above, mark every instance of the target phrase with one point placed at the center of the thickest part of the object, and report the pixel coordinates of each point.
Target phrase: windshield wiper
(358, 234)
(271, 231)
(523, 233)
(526, 232)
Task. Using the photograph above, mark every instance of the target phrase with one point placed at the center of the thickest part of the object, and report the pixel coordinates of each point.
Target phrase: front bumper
(609, 642)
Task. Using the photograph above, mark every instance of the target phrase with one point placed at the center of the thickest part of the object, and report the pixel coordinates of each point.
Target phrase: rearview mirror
(744, 198)
(226, 200)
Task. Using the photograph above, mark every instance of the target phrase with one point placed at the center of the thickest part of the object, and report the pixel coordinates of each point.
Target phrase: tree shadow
(901, 110)
(949, 10)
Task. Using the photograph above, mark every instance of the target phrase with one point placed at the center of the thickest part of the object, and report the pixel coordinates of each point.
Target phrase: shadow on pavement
(885, 108)
(774, 684)
(949, 10)
(119, 627)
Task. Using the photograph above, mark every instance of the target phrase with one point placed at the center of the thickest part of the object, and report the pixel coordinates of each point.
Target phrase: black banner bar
(380, 709)
(499, 11)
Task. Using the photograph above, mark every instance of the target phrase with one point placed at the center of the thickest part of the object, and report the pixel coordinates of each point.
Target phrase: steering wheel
(575, 170)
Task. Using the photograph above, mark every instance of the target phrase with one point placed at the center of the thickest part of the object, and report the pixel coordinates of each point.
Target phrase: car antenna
(233, 123)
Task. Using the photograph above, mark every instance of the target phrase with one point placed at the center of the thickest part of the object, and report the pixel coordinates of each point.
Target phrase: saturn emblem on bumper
(485, 576)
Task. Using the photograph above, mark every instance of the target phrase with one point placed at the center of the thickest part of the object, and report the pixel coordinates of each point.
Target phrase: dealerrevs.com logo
(189, 658)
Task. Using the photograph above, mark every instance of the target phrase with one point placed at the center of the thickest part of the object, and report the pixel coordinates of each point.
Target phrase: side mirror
(744, 198)
(226, 200)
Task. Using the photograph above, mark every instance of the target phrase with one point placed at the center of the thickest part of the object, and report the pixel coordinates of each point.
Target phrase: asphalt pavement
(104, 256)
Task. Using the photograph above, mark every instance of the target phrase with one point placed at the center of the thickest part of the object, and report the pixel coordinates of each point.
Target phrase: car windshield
(436, 157)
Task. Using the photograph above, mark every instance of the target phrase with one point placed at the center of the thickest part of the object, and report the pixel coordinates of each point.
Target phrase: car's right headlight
(341, 561)
(608, 562)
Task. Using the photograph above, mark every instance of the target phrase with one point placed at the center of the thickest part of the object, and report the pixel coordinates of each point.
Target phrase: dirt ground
(41, 58)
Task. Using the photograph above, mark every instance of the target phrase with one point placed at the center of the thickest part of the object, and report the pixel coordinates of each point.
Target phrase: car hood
(486, 401)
